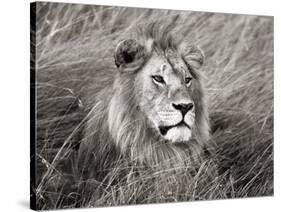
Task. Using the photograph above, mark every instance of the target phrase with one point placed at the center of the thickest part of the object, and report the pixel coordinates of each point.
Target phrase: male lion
(154, 112)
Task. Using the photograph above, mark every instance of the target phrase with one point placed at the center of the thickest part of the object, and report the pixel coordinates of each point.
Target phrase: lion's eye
(188, 80)
(158, 79)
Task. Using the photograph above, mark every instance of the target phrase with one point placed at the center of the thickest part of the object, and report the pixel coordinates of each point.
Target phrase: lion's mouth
(165, 129)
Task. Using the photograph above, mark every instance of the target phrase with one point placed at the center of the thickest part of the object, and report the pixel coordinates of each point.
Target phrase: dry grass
(74, 42)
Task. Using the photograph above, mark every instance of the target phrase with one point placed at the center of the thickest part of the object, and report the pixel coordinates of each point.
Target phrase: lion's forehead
(170, 66)
(176, 62)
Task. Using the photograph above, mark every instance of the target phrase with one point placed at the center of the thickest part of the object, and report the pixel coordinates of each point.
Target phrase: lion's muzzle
(176, 121)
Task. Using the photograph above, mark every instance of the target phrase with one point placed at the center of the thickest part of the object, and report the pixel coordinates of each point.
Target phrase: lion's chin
(178, 134)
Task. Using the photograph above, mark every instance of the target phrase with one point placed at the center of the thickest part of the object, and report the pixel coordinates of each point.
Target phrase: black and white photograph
(135, 106)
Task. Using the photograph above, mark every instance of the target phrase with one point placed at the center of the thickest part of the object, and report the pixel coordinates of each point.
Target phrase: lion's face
(165, 85)
(166, 97)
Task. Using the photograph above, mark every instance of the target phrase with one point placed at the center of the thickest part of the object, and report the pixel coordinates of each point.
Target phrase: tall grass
(74, 44)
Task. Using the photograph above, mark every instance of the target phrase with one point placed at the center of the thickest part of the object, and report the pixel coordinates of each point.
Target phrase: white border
(14, 155)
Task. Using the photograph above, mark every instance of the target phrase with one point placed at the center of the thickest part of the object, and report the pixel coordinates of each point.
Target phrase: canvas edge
(32, 106)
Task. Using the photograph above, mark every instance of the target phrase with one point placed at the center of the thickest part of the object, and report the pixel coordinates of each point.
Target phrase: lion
(152, 109)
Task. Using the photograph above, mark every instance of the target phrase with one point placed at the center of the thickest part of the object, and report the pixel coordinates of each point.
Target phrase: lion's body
(118, 128)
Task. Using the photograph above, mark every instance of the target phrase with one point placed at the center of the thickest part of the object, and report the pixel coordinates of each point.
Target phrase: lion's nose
(184, 108)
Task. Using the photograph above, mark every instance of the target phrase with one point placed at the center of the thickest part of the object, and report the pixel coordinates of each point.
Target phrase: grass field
(73, 42)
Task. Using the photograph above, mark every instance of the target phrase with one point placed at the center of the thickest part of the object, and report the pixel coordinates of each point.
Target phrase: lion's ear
(129, 55)
(192, 55)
